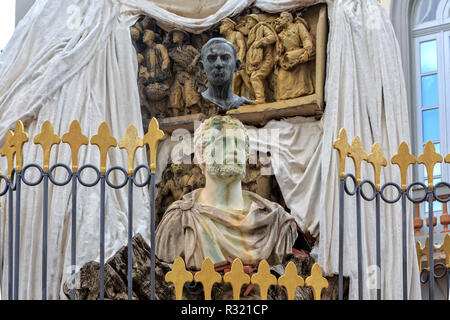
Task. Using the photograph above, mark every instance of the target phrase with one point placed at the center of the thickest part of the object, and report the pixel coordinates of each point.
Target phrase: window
(431, 38)
(431, 35)
(7, 21)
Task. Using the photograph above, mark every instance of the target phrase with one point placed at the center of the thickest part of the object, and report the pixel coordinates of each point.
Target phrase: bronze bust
(219, 63)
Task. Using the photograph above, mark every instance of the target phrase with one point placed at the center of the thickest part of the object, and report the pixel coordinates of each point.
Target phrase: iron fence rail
(17, 175)
(377, 193)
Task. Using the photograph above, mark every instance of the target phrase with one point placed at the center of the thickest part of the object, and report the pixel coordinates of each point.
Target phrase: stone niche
(170, 80)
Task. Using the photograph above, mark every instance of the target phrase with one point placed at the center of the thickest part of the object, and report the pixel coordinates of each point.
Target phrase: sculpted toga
(222, 221)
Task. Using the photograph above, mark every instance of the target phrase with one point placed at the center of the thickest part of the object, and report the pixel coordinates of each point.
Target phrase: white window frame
(438, 30)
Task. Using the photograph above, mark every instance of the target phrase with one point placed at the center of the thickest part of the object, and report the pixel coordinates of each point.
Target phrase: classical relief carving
(281, 71)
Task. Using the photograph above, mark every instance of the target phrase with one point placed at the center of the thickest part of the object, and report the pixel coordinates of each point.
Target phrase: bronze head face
(219, 62)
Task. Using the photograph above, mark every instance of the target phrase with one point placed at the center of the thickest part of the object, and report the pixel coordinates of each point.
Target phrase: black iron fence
(373, 191)
(17, 175)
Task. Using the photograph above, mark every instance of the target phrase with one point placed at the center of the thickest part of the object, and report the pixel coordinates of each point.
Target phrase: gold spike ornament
(178, 276)
(403, 159)
(291, 280)
(47, 139)
(341, 145)
(9, 151)
(208, 277)
(358, 154)
(131, 143)
(429, 158)
(237, 277)
(377, 161)
(18, 140)
(316, 281)
(152, 138)
(103, 140)
(75, 138)
(264, 279)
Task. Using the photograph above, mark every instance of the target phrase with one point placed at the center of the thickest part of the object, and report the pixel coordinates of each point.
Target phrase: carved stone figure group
(169, 79)
(274, 52)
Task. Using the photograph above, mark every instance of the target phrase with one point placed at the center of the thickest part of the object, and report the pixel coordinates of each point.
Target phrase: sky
(7, 21)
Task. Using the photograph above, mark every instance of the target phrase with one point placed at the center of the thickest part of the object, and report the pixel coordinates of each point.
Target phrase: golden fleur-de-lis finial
(75, 138)
(316, 281)
(178, 276)
(207, 277)
(420, 252)
(429, 158)
(152, 138)
(131, 143)
(341, 145)
(358, 154)
(264, 279)
(445, 247)
(447, 158)
(237, 277)
(403, 159)
(103, 140)
(377, 161)
(47, 139)
(18, 140)
(291, 280)
(8, 151)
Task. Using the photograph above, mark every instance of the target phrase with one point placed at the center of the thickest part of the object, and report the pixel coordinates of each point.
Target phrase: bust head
(218, 61)
(221, 147)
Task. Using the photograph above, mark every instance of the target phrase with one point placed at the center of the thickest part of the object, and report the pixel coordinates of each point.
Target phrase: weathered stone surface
(88, 283)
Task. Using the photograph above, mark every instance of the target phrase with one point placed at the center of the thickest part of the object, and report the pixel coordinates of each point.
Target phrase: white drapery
(73, 59)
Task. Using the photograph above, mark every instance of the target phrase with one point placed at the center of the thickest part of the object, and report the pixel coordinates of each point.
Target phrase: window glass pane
(428, 56)
(430, 124)
(427, 11)
(431, 15)
(430, 91)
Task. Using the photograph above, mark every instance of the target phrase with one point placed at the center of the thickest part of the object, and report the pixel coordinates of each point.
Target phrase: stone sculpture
(260, 58)
(219, 63)
(240, 78)
(294, 79)
(184, 97)
(222, 221)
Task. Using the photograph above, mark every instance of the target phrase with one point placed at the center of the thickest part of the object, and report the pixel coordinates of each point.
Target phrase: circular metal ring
(7, 184)
(396, 186)
(443, 273)
(147, 181)
(373, 188)
(436, 196)
(413, 185)
(119, 186)
(91, 167)
(35, 183)
(62, 165)
(354, 181)
(424, 272)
